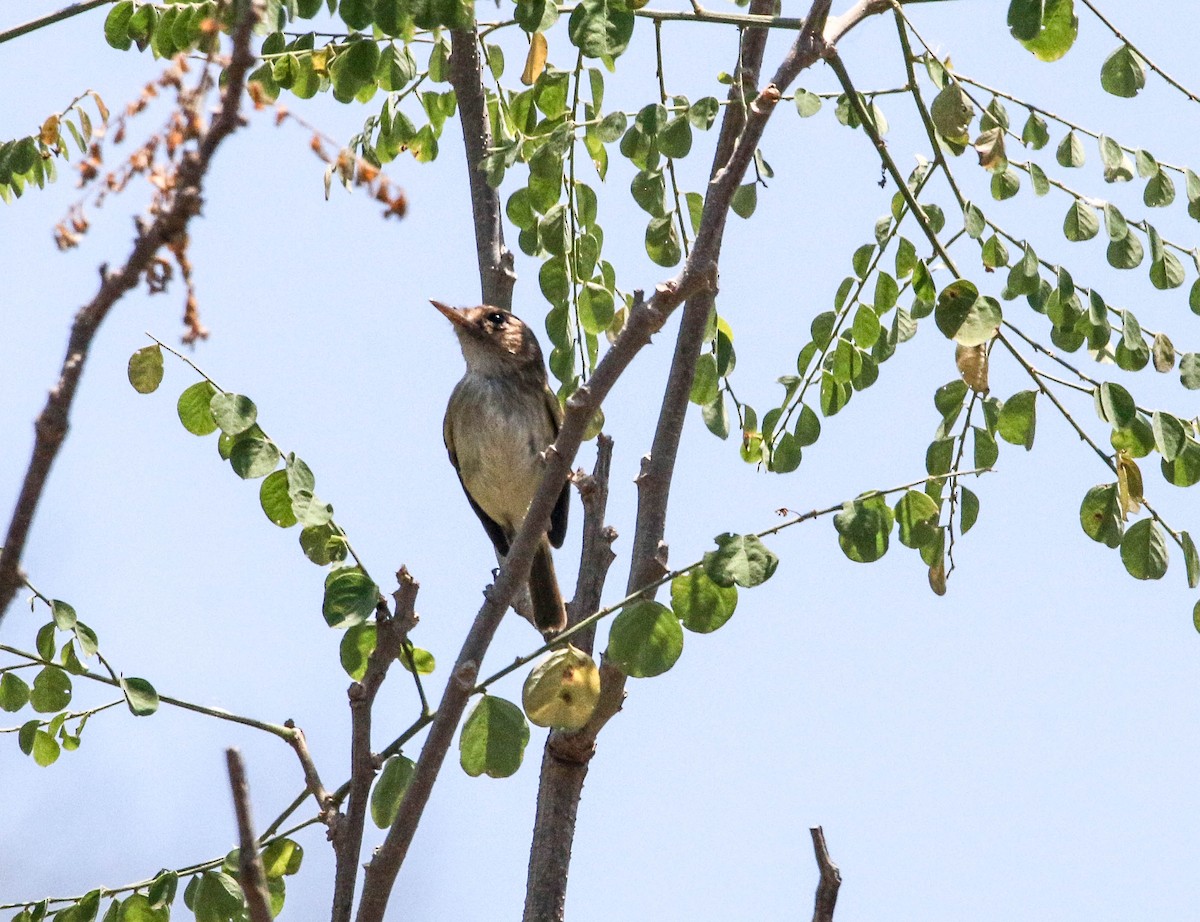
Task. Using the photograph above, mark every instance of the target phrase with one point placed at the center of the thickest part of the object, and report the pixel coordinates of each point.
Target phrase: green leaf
(600, 29)
(986, 450)
(705, 383)
(323, 544)
(952, 113)
(140, 696)
(645, 639)
(116, 26)
(233, 413)
(1126, 253)
(740, 559)
(162, 891)
(51, 690)
(1184, 469)
(662, 241)
(917, 515)
(1070, 152)
(493, 738)
(1081, 222)
(253, 457)
(423, 660)
(45, 750)
(195, 410)
(282, 858)
(1018, 419)
(350, 597)
(275, 500)
(965, 316)
(1116, 405)
(353, 68)
(1123, 73)
(1144, 550)
(389, 790)
(88, 642)
(701, 604)
(146, 369)
(969, 506)
(703, 112)
(356, 646)
(716, 417)
(64, 615)
(1060, 28)
(14, 692)
(1101, 516)
(1191, 558)
(863, 527)
(1189, 370)
(1025, 18)
(745, 199)
(807, 103)
(1170, 438)
(675, 140)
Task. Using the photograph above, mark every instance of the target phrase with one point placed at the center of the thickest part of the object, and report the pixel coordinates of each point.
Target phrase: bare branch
(312, 779)
(564, 761)
(831, 878)
(168, 225)
(250, 868)
(391, 632)
(496, 273)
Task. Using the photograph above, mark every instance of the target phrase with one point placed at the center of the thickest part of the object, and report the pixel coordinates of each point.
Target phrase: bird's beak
(454, 315)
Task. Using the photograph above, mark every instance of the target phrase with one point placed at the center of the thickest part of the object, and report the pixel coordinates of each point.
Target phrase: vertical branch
(250, 869)
(564, 761)
(169, 224)
(496, 273)
(831, 879)
(391, 633)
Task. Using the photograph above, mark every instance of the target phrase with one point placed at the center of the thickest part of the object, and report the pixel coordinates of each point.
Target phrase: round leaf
(389, 790)
(562, 690)
(194, 408)
(740, 559)
(146, 369)
(645, 640)
(493, 738)
(1144, 550)
(701, 604)
(350, 597)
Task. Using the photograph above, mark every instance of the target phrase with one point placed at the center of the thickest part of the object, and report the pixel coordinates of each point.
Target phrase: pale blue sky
(1024, 747)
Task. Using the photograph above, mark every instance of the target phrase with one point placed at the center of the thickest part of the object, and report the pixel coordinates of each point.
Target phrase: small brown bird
(502, 415)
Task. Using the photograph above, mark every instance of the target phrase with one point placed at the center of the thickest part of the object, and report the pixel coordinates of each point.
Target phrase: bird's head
(491, 338)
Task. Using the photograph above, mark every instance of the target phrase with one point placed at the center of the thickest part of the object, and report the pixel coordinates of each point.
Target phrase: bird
(501, 417)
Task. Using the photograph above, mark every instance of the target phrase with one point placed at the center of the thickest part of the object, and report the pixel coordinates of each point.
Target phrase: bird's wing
(558, 518)
(490, 525)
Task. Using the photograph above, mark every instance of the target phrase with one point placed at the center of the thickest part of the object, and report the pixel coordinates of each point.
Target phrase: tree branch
(391, 632)
(250, 869)
(564, 762)
(496, 275)
(168, 225)
(831, 878)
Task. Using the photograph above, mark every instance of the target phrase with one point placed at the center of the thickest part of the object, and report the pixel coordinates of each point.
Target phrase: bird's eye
(496, 318)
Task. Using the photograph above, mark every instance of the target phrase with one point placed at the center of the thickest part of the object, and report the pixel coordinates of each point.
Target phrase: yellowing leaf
(49, 132)
(972, 362)
(1129, 483)
(535, 61)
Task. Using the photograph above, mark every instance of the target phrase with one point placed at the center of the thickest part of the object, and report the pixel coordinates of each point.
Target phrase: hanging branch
(169, 225)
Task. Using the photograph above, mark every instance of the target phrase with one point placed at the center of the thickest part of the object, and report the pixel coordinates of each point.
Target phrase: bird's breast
(498, 431)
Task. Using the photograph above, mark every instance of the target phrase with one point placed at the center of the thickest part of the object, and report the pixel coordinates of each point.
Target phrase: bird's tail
(548, 612)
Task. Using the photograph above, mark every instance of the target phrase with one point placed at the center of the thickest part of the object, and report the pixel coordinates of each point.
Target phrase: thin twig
(168, 225)
(251, 876)
(50, 19)
(391, 633)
